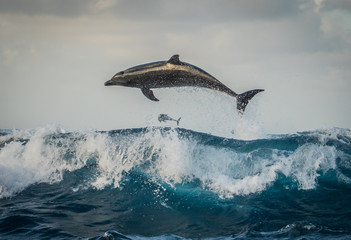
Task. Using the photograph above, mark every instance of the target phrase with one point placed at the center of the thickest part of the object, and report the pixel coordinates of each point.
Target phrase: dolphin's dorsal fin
(174, 60)
(149, 93)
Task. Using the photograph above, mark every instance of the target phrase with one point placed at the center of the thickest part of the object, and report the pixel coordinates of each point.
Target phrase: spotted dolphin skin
(174, 73)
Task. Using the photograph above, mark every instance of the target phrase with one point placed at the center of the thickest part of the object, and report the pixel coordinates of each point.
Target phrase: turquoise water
(173, 183)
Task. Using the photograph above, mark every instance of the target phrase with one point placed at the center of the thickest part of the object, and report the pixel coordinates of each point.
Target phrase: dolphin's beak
(109, 83)
(117, 81)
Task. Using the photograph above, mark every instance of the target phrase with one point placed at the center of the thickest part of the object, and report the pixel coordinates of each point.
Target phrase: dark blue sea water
(173, 183)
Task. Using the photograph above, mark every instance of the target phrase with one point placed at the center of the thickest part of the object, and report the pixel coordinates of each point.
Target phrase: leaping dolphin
(174, 73)
(165, 117)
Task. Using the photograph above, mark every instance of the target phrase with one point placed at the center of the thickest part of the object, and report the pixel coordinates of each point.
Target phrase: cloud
(8, 56)
(336, 4)
(221, 10)
(336, 24)
(64, 8)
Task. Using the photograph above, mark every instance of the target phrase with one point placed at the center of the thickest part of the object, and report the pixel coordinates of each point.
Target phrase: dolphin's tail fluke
(244, 98)
(178, 121)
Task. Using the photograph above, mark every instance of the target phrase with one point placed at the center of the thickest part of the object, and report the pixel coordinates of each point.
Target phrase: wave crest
(172, 158)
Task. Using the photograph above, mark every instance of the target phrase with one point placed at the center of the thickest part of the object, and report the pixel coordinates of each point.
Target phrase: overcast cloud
(56, 55)
(147, 10)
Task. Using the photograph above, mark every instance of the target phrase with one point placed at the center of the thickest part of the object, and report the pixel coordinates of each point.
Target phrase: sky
(55, 56)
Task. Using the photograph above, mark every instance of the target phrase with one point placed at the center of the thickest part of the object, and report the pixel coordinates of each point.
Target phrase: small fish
(165, 117)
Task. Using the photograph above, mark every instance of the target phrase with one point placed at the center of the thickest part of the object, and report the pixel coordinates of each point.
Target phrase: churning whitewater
(173, 183)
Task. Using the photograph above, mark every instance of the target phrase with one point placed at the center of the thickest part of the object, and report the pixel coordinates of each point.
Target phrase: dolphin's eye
(121, 73)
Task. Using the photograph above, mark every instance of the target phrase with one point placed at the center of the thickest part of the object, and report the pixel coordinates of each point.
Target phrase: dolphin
(165, 117)
(174, 73)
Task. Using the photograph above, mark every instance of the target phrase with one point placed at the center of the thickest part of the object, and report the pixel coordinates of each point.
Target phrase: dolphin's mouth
(117, 82)
(109, 83)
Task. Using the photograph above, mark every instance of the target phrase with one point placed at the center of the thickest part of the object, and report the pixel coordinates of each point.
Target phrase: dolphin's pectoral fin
(174, 60)
(244, 98)
(149, 94)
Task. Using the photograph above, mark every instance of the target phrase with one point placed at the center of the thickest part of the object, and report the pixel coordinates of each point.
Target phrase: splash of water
(226, 167)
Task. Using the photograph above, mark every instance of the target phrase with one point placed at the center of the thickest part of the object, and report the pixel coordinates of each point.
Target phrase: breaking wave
(173, 182)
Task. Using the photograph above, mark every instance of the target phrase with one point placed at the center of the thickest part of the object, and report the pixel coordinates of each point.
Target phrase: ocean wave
(173, 183)
(174, 157)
